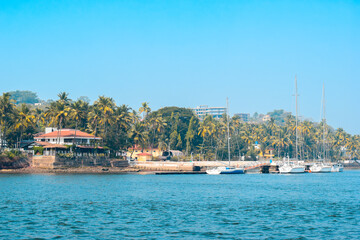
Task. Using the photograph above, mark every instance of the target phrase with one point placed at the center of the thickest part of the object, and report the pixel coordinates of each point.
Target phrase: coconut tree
(144, 109)
(106, 106)
(78, 113)
(206, 129)
(138, 135)
(24, 119)
(7, 109)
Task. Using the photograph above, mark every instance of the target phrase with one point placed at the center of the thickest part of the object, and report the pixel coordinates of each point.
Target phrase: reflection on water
(252, 206)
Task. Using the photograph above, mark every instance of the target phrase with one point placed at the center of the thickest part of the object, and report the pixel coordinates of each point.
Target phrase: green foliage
(38, 150)
(120, 127)
(279, 116)
(27, 97)
(84, 99)
(12, 154)
(66, 155)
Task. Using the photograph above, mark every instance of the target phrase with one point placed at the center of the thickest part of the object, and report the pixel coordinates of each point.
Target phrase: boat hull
(337, 168)
(223, 170)
(320, 169)
(291, 169)
(234, 171)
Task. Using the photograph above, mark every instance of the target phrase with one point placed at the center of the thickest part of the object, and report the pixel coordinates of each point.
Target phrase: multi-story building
(244, 117)
(204, 110)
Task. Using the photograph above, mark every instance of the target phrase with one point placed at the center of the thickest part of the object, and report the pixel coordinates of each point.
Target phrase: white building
(66, 136)
(204, 110)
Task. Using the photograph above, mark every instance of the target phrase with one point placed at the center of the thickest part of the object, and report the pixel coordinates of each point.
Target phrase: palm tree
(61, 113)
(24, 119)
(94, 118)
(138, 135)
(144, 109)
(7, 108)
(106, 106)
(206, 129)
(78, 113)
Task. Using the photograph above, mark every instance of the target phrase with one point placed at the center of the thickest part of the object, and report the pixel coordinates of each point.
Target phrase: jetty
(200, 167)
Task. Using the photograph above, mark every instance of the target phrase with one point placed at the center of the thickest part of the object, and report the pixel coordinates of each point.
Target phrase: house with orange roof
(151, 153)
(66, 137)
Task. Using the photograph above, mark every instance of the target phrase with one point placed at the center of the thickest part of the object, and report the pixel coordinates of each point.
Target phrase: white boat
(337, 167)
(226, 169)
(320, 168)
(293, 167)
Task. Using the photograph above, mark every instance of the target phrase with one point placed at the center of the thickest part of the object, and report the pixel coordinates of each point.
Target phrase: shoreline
(104, 170)
(85, 170)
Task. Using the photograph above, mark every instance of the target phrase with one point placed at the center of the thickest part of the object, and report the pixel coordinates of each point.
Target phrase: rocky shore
(84, 170)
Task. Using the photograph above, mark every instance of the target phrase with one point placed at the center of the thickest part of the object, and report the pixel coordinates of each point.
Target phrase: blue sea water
(250, 206)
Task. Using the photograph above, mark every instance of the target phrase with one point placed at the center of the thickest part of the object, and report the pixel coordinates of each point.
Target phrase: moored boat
(291, 168)
(337, 167)
(320, 168)
(225, 170)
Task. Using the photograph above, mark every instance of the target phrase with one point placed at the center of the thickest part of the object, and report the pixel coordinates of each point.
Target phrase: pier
(199, 167)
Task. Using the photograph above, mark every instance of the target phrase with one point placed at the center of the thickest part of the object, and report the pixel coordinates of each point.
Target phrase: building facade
(66, 137)
(244, 117)
(204, 110)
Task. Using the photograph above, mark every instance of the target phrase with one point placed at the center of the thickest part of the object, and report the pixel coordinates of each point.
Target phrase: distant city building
(244, 117)
(204, 110)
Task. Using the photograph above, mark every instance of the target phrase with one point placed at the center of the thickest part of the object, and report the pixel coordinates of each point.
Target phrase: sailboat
(293, 167)
(226, 169)
(322, 167)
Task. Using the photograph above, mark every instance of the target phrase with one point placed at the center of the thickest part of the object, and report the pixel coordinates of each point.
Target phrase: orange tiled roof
(89, 147)
(50, 145)
(67, 133)
(144, 154)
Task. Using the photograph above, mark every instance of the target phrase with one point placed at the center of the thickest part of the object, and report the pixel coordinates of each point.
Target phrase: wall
(68, 162)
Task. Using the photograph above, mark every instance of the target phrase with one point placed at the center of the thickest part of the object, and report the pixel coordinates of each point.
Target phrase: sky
(188, 53)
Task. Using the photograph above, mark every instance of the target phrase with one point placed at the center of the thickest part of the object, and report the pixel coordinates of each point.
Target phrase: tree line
(121, 127)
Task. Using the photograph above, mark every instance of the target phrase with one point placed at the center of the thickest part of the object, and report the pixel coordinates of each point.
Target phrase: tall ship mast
(296, 120)
(322, 167)
(226, 169)
(293, 167)
(228, 128)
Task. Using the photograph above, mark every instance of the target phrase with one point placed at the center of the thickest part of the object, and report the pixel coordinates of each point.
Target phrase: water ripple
(252, 206)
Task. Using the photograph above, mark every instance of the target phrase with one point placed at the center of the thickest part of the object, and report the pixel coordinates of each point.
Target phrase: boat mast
(228, 128)
(324, 122)
(296, 119)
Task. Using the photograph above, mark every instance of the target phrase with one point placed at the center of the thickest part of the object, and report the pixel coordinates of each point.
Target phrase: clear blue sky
(188, 53)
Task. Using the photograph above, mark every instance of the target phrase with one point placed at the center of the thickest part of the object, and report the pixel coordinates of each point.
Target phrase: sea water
(249, 206)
